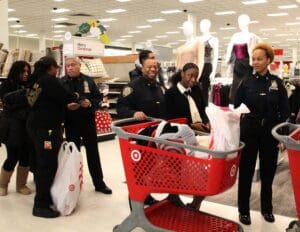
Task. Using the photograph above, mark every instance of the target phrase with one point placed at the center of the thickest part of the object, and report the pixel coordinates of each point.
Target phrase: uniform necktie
(193, 107)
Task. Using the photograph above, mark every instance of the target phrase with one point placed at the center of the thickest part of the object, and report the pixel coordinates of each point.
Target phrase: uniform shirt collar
(182, 89)
(266, 76)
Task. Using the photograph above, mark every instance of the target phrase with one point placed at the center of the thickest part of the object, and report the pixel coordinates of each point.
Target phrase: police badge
(127, 91)
(273, 86)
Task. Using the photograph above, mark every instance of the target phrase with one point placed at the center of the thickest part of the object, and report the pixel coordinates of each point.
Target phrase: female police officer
(266, 98)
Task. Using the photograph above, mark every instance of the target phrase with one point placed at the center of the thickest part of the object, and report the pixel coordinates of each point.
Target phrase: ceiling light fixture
(288, 6)
(134, 32)
(60, 10)
(225, 12)
(155, 20)
(115, 11)
(143, 26)
(59, 26)
(278, 14)
(16, 26)
(161, 36)
(126, 36)
(171, 11)
(10, 10)
(190, 1)
(59, 19)
(12, 19)
(253, 2)
(292, 23)
(20, 31)
(123, 0)
(172, 32)
(227, 28)
(268, 29)
(107, 20)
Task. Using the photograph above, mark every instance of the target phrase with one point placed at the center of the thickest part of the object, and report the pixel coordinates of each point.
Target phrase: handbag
(103, 121)
(68, 180)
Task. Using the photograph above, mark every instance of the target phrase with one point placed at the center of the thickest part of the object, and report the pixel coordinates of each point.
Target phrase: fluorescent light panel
(172, 32)
(225, 12)
(115, 11)
(288, 6)
(12, 19)
(155, 20)
(175, 11)
(134, 32)
(60, 10)
(123, 0)
(143, 26)
(190, 1)
(10, 10)
(20, 31)
(253, 2)
(59, 19)
(16, 26)
(107, 20)
(278, 14)
(227, 28)
(268, 29)
(59, 26)
(292, 23)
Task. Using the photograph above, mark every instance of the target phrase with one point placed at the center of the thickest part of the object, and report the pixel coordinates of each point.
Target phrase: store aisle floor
(99, 212)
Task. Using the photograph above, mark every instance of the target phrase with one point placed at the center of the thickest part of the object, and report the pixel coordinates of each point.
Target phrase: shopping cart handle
(288, 141)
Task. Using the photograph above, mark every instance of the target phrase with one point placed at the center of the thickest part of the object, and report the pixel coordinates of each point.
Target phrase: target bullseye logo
(136, 155)
(233, 170)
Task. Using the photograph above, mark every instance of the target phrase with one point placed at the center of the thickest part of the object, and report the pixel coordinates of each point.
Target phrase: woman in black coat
(15, 110)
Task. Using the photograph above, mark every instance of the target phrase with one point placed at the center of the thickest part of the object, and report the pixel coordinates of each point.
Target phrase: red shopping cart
(292, 143)
(150, 170)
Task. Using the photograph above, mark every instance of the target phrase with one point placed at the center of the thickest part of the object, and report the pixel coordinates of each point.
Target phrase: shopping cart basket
(150, 170)
(292, 143)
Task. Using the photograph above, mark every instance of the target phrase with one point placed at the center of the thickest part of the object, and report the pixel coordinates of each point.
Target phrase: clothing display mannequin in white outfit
(211, 53)
(192, 51)
(239, 53)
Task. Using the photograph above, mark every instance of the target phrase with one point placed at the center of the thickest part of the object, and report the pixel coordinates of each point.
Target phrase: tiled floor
(99, 212)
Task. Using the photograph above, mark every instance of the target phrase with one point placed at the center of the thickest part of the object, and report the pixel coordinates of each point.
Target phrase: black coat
(178, 105)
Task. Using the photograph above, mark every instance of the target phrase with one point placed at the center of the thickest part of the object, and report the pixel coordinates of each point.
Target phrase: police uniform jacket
(87, 89)
(141, 95)
(178, 105)
(266, 98)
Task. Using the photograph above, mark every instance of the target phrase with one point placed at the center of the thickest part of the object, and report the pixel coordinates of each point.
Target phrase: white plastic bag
(225, 127)
(68, 180)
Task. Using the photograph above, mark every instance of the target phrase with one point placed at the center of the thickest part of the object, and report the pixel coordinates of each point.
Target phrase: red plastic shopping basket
(292, 143)
(150, 170)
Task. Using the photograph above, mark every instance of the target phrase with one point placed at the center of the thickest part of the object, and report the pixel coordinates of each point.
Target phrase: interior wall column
(4, 36)
(42, 43)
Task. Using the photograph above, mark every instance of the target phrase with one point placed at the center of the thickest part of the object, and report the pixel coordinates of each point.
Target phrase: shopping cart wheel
(294, 226)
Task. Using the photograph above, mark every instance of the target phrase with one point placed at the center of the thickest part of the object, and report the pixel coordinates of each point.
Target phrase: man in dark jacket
(80, 119)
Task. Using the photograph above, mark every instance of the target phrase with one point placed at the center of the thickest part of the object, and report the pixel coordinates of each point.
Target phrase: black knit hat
(47, 62)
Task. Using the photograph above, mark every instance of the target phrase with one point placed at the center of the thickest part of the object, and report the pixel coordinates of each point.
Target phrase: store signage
(278, 52)
(88, 47)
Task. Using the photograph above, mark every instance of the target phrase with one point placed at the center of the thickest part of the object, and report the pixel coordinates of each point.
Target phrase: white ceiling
(36, 17)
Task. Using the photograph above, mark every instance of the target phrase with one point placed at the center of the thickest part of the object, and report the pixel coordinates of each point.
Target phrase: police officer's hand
(85, 103)
(73, 106)
(298, 118)
(199, 126)
(139, 115)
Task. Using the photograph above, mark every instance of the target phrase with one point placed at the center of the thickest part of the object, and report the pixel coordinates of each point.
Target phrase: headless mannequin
(239, 53)
(192, 51)
(211, 50)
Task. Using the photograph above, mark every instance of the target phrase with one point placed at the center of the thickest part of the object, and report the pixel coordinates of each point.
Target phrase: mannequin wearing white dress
(239, 53)
(211, 53)
(190, 52)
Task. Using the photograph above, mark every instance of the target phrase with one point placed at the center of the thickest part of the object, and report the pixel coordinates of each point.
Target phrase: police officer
(143, 97)
(266, 98)
(80, 119)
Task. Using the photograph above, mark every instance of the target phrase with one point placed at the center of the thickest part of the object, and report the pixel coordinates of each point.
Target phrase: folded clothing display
(93, 68)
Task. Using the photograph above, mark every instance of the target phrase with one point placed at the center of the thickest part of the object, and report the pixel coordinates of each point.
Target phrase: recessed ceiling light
(20, 31)
(225, 12)
(59, 19)
(172, 32)
(161, 36)
(60, 10)
(134, 32)
(115, 11)
(59, 26)
(190, 1)
(32, 35)
(107, 20)
(13, 19)
(171, 11)
(278, 14)
(227, 28)
(292, 23)
(252, 2)
(288, 6)
(155, 20)
(143, 26)
(16, 26)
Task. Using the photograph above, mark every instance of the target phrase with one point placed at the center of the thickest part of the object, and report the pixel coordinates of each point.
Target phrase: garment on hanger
(241, 67)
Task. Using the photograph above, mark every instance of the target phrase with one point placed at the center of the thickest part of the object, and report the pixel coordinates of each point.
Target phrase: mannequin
(192, 51)
(211, 50)
(239, 53)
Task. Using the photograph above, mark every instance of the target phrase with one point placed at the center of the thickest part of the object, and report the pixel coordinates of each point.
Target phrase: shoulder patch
(127, 91)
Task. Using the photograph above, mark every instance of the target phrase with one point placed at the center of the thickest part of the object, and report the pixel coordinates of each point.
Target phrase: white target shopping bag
(68, 180)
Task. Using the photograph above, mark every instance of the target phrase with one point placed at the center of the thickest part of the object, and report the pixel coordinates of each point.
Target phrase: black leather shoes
(269, 217)
(245, 219)
(45, 212)
(150, 200)
(103, 189)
